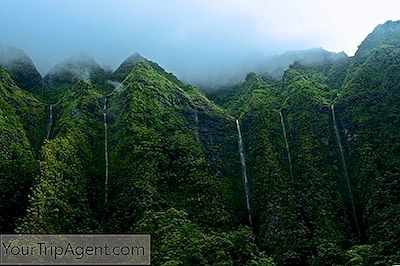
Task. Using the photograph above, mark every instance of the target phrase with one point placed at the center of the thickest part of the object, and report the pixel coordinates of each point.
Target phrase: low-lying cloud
(200, 40)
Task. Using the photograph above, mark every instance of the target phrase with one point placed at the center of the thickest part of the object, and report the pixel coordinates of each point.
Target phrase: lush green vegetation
(309, 219)
(65, 198)
(178, 241)
(369, 107)
(18, 166)
(165, 166)
(21, 68)
(174, 168)
(63, 76)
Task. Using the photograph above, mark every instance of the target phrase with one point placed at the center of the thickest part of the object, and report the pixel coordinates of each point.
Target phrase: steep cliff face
(369, 110)
(322, 150)
(31, 110)
(66, 195)
(171, 152)
(319, 148)
(170, 163)
(20, 116)
(292, 159)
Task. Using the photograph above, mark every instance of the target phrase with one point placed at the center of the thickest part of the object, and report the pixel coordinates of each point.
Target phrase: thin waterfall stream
(196, 120)
(287, 145)
(244, 171)
(50, 121)
(105, 151)
(340, 148)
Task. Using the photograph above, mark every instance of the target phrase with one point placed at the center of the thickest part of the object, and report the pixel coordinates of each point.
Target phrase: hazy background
(195, 39)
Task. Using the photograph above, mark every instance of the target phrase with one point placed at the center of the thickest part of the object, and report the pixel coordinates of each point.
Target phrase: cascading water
(105, 151)
(340, 148)
(287, 145)
(244, 171)
(196, 120)
(50, 121)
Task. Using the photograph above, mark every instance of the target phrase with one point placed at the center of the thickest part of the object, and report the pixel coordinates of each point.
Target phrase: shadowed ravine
(244, 171)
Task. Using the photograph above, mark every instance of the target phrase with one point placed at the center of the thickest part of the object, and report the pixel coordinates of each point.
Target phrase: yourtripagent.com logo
(75, 249)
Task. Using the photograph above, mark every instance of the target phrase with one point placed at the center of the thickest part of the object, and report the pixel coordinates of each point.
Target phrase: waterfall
(287, 145)
(196, 117)
(340, 148)
(50, 121)
(105, 151)
(244, 171)
(196, 120)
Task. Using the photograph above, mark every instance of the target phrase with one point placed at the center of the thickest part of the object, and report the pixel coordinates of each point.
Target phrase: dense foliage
(71, 168)
(18, 166)
(369, 107)
(165, 165)
(61, 78)
(321, 147)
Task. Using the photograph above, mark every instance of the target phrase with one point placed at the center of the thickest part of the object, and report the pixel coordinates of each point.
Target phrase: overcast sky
(187, 36)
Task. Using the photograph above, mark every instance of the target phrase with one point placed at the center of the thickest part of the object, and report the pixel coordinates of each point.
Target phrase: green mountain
(21, 68)
(300, 170)
(384, 34)
(331, 197)
(292, 160)
(71, 168)
(126, 67)
(65, 74)
(169, 126)
(369, 110)
(182, 165)
(22, 124)
(316, 57)
(129, 64)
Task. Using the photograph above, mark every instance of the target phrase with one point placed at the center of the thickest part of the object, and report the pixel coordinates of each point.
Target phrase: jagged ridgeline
(314, 178)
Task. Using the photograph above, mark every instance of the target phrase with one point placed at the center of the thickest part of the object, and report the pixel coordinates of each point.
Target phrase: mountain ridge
(311, 157)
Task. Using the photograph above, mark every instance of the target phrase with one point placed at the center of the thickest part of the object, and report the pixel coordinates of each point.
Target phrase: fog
(200, 41)
(79, 65)
(118, 86)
